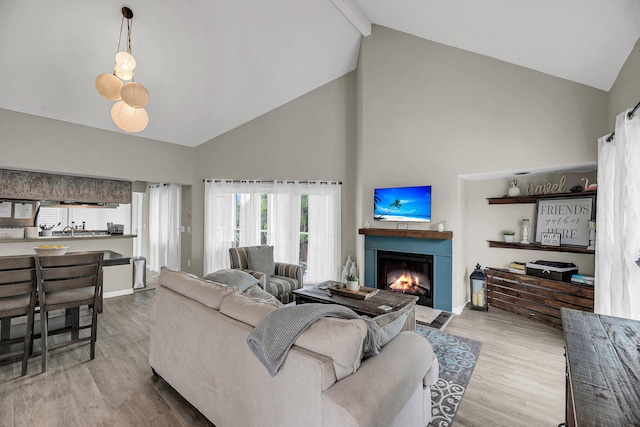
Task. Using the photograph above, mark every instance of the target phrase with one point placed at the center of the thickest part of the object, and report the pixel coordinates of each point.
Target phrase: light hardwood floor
(518, 380)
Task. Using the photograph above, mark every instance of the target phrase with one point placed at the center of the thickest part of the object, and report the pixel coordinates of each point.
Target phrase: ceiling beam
(355, 15)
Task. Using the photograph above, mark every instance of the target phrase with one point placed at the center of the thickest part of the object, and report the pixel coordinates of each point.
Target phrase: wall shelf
(532, 199)
(538, 247)
(416, 234)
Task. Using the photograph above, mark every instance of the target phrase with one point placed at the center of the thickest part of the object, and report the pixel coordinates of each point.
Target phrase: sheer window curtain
(324, 231)
(284, 221)
(165, 202)
(250, 202)
(219, 205)
(617, 276)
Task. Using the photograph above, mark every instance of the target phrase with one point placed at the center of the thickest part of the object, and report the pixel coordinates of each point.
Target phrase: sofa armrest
(382, 386)
(293, 271)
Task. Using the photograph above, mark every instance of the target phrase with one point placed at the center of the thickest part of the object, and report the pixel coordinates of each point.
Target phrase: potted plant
(514, 190)
(352, 283)
(508, 235)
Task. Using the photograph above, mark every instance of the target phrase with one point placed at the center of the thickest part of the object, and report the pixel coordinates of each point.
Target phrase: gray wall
(625, 92)
(432, 113)
(40, 144)
(312, 137)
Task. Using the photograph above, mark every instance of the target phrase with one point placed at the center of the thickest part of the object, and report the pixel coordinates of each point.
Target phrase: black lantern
(478, 282)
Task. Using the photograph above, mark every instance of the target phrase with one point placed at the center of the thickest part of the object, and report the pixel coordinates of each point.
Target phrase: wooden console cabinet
(534, 297)
(603, 366)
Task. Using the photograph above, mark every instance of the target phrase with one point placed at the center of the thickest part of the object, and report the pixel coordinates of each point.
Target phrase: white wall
(430, 113)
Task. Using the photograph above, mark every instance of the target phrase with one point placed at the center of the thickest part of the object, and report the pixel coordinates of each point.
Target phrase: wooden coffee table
(370, 307)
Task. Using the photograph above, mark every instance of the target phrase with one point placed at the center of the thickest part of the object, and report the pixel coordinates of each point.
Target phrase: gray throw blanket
(271, 340)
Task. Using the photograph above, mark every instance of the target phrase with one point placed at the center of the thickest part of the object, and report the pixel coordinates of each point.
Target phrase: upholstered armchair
(278, 278)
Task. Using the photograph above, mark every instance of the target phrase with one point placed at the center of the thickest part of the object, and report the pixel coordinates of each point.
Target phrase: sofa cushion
(339, 339)
(246, 309)
(204, 291)
(236, 278)
(260, 258)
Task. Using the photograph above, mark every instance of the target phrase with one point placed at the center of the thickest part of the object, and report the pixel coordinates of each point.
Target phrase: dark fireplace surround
(406, 273)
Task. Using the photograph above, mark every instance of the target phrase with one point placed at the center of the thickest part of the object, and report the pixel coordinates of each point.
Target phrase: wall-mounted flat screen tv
(402, 204)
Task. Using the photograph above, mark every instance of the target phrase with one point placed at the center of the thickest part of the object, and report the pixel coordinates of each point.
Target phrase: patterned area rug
(457, 357)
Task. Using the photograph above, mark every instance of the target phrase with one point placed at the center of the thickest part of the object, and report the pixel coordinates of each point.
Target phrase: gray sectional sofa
(198, 334)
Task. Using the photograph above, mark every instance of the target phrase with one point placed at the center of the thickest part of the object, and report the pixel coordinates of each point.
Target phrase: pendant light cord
(129, 28)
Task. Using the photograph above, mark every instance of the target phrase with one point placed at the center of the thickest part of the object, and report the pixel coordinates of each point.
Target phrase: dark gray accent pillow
(261, 259)
(236, 278)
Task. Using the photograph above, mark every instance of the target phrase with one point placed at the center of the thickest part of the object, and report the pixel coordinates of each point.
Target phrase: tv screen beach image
(402, 204)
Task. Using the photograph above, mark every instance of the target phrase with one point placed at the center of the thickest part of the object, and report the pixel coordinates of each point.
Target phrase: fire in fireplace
(406, 273)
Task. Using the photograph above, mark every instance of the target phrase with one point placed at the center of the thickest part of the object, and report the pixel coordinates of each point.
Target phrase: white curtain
(219, 229)
(223, 197)
(165, 204)
(324, 231)
(617, 276)
(250, 203)
(284, 221)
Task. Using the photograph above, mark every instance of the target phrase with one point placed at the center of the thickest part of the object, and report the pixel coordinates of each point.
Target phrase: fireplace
(407, 273)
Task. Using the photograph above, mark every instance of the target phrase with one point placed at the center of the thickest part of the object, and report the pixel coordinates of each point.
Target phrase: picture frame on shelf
(550, 239)
(568, 217)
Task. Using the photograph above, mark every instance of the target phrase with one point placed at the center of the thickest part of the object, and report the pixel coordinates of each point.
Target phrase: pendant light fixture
(128, 113)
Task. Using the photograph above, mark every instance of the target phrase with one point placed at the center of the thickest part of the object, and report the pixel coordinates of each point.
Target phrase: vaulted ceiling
(212, 65)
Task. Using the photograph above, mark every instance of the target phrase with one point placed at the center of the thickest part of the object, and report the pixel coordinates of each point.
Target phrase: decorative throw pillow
(257, 293)
(260, 258)
(390, 325)
(236, 278)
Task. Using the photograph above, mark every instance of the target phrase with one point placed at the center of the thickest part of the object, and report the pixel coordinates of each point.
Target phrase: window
(94, 219)
(266, 200)
(300, 220)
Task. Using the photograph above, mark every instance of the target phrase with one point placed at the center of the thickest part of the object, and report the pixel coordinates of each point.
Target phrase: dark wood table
(603, 369)
(369, 307)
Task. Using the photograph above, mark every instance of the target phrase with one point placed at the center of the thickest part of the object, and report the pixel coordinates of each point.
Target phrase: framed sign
(568, 217)
(550, 239)
(17, 213)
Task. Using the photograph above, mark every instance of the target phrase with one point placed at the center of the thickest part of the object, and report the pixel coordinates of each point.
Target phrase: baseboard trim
(113, 294)
(458, 310)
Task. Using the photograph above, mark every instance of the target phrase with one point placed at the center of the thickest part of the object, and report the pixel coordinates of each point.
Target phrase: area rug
(457, 357)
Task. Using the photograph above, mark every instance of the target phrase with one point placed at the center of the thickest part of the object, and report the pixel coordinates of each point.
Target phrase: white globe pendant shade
(135, 95)
(109, 86)
(129, 119)
(125, 60)
(122, 73)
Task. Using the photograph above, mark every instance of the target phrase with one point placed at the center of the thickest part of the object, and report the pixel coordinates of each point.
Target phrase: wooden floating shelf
(532, 199)
(415, 234)
(538, 247)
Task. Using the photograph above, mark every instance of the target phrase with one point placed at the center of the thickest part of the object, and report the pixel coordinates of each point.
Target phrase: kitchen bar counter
(45, 240)
(118, 274)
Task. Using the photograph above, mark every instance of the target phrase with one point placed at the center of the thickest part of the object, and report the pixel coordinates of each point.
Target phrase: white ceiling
(212, 65)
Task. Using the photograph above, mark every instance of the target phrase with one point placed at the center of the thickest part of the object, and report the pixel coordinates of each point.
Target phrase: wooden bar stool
(18, 282)
(68, 281)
